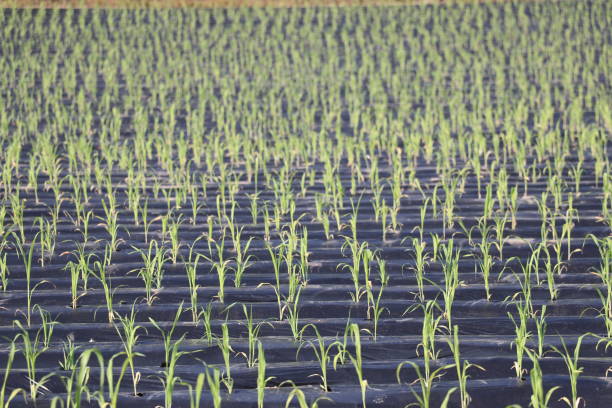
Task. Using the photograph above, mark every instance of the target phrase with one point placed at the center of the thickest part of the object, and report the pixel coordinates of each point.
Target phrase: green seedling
(32, 348)
(5, 396)
(539, 398)
(322, 352)
(262, 380)
(574, 371)
(226, 349)
(461, 368)
(128, 334)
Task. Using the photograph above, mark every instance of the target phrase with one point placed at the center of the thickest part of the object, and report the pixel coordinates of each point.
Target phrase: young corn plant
(195, 205)
(4, 272)
(5, 400)
(431, 326)
(293, 316)
(541, 331)
(168, 334)
(322, 352)
(242, 259)
(76, 383)
(299, 395)
(375, 309)
(175, 243)
(426, 379)
(384, 214)
(357, 253)
(262, 380)
(295, 282)
(206, 316)
(17, 216)
(152, 271)
(486, 259)
(500, 238)
(26, 257)
(113, 385)
(276, 257)
(109, 293)
(213, 379)
(191, 271)
(423, 217)
(46, 325)
(550, 271)
(221, 266)
(356, 360)
(436, 243)
(420, 258)
(573, 369)
(604, 272)
(462, 369)
(47, 236)
(252, 335)
(521, 337)
(83, 262)
(195, 392)
(169, 379)
(128, 334)
(571, 215)
(353, 217)
(84, 229)
(254, 207)
(539, 398)
(110, 222)
(303, 255)
(226, 348)
(525, 283)
(450, 268)
(75, 274)
(69, 351)
(32, 348)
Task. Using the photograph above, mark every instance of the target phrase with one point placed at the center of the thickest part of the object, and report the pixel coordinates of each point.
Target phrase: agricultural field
(374, 206)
